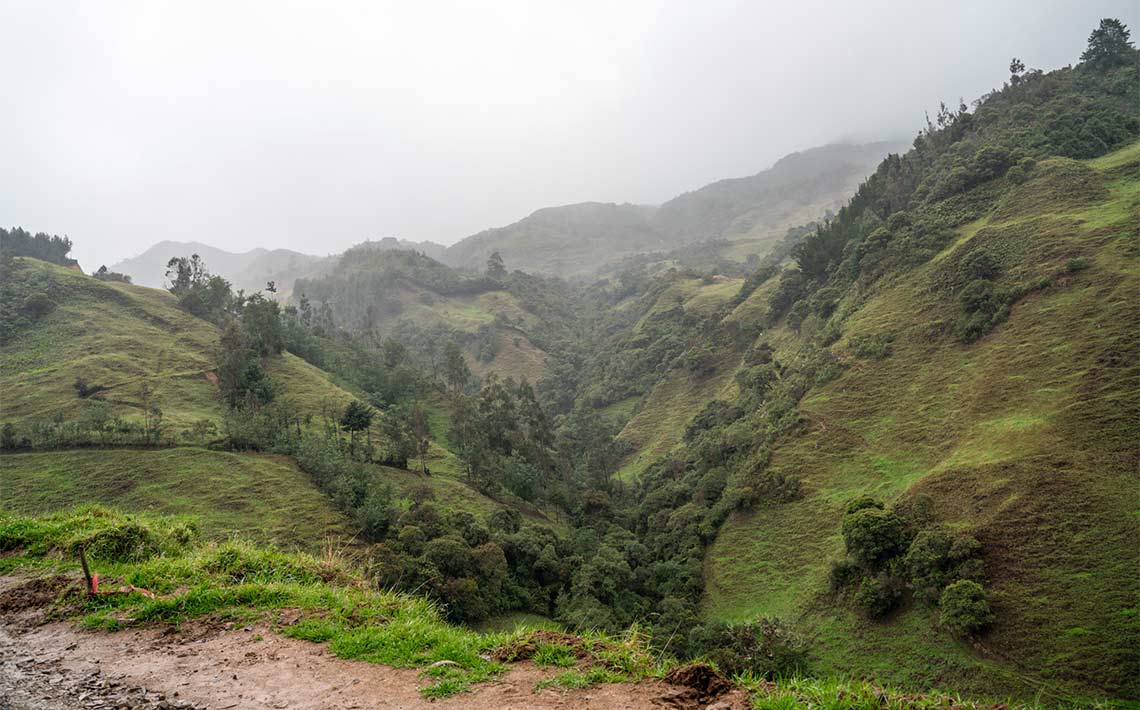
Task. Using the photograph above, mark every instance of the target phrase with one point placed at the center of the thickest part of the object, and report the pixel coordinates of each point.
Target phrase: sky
(314, 126)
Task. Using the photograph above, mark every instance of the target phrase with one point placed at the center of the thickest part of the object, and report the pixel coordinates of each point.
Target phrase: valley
(860, 430)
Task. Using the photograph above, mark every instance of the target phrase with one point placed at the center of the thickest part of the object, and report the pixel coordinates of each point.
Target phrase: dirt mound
(35, 594)
(705, 680)
(525, 647)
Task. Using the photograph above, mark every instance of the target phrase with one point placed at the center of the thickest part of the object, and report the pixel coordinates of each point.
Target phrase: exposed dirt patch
(214, 663)
(27, 601)
(524, 648)
(702, 679)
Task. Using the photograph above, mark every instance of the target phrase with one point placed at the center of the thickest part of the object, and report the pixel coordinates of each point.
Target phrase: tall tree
(495, 268)
(421, 433)
(455, 368)
(1109, 45)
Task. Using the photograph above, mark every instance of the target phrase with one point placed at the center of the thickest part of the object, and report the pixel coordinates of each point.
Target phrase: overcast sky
(314, 126)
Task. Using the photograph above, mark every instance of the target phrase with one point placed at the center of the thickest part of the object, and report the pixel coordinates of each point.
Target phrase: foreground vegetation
(326, 599)
(884, 449)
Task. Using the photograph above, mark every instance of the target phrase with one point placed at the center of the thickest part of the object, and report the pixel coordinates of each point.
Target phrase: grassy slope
(120, 336)
(115, 335)
(1027, 438)
(334, 604)
(260, 497)
(660, 422)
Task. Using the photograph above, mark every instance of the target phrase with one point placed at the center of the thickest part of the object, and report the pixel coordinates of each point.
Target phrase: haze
(312, 126)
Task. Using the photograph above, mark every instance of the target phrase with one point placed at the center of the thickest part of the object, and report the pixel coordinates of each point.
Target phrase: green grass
(114, 335)
(1025, 438)
(257, 496)
(325, 600)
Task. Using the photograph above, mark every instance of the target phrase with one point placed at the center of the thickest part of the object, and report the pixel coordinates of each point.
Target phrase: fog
(313, 126)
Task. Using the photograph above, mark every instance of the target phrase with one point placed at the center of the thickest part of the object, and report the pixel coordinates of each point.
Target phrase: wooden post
(86, 572)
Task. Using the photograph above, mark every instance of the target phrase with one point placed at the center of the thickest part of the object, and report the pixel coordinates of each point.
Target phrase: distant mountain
(752, 212)
(248, 270)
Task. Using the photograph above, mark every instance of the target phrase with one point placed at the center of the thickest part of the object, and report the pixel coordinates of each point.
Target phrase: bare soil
(53, 665)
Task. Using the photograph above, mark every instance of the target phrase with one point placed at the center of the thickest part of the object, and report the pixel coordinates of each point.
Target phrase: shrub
(856, 504)
(843, 573)
(965, 609)
(872, 535)
(878, 595)
(1076, 264)
(927, 561)
(763, 647)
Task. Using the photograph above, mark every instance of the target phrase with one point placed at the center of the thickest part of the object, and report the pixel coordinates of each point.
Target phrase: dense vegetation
(684, 411)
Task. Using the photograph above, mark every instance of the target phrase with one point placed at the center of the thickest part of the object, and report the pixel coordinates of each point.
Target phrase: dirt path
(58, 666)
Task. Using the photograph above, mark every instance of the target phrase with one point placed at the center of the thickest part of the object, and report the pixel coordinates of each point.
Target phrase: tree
(420, 430)
(357, 417)
(495, 268)
(455, 368)
(1109, 45)
(872, 536)
(1016, 67)
(965, 608)
(261, 318)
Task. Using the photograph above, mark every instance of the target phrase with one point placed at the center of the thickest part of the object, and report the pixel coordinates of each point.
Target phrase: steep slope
(124, 342)
(1026, 438)
(748, 213)
(258, 497)
(502, 323)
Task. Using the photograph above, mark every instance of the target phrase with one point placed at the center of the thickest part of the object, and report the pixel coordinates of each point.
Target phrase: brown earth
(53, 665)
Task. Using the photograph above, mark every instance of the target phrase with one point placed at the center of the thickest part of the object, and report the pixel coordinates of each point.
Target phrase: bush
(965, 609)
(843, 573)
(872, 535)
(878, 595)
(927, 561)
(764, 647)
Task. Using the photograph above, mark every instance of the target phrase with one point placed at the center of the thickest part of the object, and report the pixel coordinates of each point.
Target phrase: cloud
(313, 126)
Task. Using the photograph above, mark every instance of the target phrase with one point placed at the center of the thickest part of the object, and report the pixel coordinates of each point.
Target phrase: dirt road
(218, 666)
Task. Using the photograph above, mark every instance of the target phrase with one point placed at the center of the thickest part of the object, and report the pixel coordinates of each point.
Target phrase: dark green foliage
(46, 247)
(878, 594)
(1109, 46)
(102, 274)
(965, 609)
(241, 379)
(891, 551)
(872, 535)
(765, 648)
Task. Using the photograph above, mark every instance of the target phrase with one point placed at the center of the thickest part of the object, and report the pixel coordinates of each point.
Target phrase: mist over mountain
(752, 212)
(249, 270)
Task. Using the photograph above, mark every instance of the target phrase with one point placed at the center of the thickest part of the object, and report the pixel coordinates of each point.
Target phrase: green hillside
(255, 496)
(1026, 438)
(114, 336)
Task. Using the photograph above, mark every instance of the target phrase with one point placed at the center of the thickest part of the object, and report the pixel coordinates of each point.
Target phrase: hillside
(1026, 438)
(117, 339)
(257, 497)
(503, 323)
(247, 270)
(133, 349)
(748, 213)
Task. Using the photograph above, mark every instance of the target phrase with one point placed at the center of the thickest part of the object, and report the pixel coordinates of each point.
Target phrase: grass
(1037, 422)
(257, 496)
(113, 335)
(325, 600)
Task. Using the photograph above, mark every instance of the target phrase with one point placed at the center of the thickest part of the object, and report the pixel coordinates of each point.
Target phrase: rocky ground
(54, 665)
